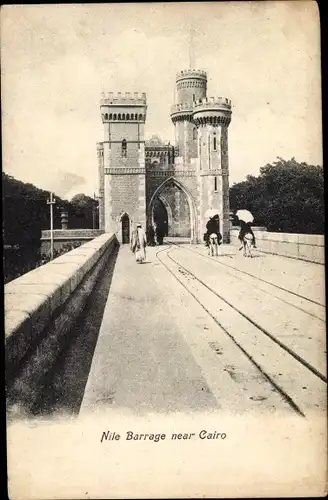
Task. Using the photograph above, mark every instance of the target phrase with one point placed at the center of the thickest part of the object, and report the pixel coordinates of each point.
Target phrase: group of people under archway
(155, 235)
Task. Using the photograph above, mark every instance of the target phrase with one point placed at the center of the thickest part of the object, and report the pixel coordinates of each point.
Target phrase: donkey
(247, 245)
(213, 244)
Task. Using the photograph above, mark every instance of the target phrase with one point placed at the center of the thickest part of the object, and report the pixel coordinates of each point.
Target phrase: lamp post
(51, 202)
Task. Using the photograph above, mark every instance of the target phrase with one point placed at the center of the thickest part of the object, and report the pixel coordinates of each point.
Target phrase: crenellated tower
(212, 117)
(178, 184)
(122, 174)
(191, 85)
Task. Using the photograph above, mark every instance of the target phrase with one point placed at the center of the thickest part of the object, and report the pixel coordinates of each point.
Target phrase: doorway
(160, 217)
(125, 221)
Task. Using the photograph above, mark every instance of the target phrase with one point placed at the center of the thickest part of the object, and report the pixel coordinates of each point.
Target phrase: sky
(57, 59)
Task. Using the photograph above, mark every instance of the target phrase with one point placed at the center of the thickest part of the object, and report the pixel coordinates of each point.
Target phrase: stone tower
(212, 118)
(191, 86)
(121, 163)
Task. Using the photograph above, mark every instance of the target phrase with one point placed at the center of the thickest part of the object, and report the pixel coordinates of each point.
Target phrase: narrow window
(215, 183)
(114, 117)
(140, 117)
(193, 97)
(136, 116)
(124, 149)
(128, 116)
(123, 116)
(214, 143)
(195, 133)
(110, 116)
(106, 116)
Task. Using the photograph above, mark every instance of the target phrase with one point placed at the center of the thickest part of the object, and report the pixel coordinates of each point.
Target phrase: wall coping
(298, 238)
(32, 299)
(71, 233)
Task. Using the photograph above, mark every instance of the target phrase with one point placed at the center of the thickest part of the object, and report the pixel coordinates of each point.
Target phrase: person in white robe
(139, 243)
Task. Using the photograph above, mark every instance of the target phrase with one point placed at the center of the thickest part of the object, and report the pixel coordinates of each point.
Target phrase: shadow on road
(65, 385)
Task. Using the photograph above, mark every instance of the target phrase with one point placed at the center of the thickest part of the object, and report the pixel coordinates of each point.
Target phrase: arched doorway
(180, 208)
(125, 223)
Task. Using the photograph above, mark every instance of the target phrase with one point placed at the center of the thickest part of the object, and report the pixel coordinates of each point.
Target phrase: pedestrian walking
(139, 243)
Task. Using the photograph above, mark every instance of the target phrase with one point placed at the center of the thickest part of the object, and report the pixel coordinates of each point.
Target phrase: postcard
(163, 238)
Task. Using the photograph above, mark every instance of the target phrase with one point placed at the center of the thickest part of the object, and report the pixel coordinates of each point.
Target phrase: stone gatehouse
(162, 184)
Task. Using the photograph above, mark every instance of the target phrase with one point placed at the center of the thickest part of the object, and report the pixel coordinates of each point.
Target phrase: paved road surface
(169, 342)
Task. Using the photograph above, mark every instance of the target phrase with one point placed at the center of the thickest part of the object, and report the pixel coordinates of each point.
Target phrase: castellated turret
(175, 190)
(191, 86)
(123, 172)
(212, 117)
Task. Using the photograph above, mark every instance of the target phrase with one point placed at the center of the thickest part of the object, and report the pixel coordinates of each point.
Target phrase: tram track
(256, 342)
(257, 278)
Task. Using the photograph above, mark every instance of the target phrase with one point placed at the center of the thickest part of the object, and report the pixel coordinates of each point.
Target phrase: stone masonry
(187, 178)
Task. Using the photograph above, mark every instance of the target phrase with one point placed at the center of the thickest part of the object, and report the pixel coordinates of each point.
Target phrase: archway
(179, 205)
(160, 216)
(125, 228)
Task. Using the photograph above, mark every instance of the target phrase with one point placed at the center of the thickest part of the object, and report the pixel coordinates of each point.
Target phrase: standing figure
(150, 236)
(138, 244)
(159, 234)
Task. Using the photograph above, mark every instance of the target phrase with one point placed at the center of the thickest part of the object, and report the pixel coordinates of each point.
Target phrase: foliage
(287, 196)
(83, 212)
(26, 213)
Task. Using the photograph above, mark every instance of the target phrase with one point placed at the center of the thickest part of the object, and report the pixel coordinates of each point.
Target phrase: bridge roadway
(184, 332)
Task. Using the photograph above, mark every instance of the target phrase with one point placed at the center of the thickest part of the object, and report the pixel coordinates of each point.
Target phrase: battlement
(210, 102)
(213, 111)
(100, 145)
(182, 106)
(123, 99)
(191, 73)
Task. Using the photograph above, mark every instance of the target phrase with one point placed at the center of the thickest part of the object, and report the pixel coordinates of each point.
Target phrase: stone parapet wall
(42, 305)
(72, 234)
(63, 237)
(308, 247)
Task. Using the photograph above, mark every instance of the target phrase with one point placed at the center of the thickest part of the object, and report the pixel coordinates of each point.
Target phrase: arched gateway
(175, 184)
(180, 208)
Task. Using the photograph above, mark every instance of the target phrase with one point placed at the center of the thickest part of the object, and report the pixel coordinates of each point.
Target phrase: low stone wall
(308, 247)
(62, 237)
(40, 308)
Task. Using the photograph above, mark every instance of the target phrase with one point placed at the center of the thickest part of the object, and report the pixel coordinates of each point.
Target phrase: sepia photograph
(163, 250)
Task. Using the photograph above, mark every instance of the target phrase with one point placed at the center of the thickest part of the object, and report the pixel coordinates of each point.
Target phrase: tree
(26, 214)
(287, 196)
(83, 210)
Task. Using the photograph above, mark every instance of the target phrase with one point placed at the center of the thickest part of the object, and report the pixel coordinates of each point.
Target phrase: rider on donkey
(245, 228)
(213, 226)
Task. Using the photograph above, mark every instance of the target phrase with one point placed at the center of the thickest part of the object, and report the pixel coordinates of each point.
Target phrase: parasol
(211, 212)
(245, 216)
